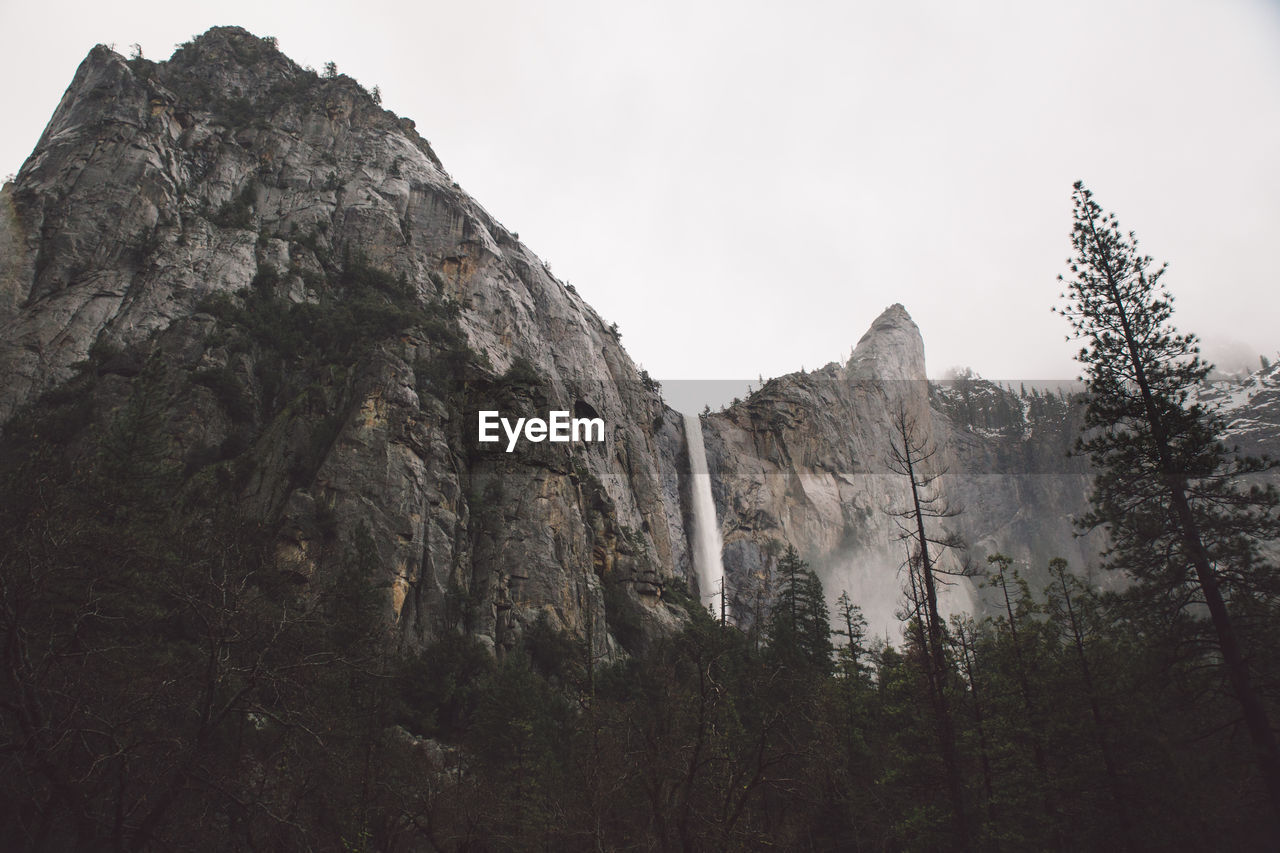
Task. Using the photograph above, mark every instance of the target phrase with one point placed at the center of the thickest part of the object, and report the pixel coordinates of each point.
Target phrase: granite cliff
(804, 461)
(320, 312)
(286, 273)
(263, 586)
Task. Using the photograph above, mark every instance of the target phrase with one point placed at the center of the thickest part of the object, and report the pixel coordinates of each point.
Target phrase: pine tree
(1016, 613)
(1166, 489)
(799, 626)
(852, 625)
(965, 630)
(1063, 604)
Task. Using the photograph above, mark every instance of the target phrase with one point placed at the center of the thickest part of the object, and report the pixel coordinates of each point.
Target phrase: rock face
(216, 219)
(287, 275)
(1014, 478)
(804, 462)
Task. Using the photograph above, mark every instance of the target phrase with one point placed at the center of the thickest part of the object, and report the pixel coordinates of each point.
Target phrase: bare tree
(914, 457)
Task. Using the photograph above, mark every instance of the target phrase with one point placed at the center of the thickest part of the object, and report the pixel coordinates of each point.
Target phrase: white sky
(744, 186)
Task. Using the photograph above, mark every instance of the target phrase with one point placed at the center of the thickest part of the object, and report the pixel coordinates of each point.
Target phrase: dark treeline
(170, 682)
(167, 685)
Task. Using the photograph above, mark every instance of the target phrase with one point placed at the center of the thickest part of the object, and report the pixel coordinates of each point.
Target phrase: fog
(783, 174)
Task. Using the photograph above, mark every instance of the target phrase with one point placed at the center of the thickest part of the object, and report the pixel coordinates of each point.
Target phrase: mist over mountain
(246, 295)
(174, 212)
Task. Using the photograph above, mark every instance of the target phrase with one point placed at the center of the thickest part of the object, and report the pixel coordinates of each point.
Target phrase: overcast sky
(744, 186)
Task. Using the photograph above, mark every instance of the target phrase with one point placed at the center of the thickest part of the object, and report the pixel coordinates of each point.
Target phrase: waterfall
(706, 530)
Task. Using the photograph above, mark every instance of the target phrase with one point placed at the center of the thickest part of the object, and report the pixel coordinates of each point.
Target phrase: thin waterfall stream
(706, 529)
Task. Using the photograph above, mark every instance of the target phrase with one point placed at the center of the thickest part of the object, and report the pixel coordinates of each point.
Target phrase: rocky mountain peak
(891, 349)
(319, 305)
(216, 41)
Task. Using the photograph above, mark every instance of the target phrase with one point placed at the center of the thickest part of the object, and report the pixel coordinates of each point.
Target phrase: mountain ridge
(325, 310)
(330, 310)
